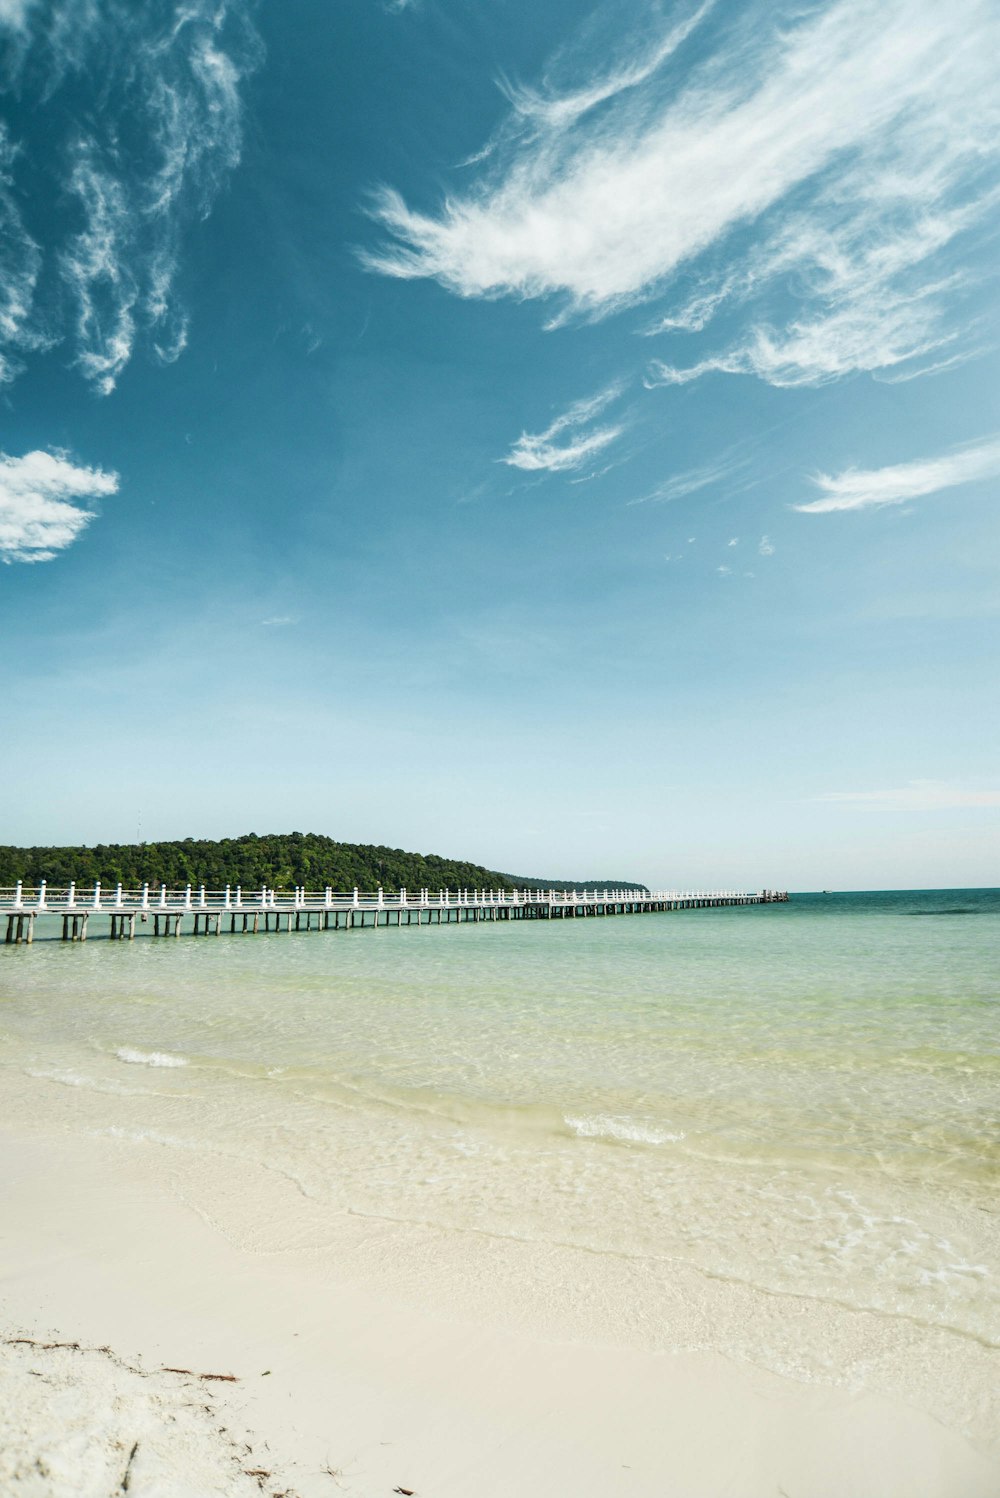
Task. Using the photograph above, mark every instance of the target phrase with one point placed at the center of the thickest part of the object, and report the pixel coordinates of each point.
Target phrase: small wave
(951, 910)
(63, 1077)
(626, 1130)
(149, 1058)
(66, 1078)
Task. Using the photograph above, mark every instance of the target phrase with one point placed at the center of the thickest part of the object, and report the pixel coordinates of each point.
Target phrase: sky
(561, 437)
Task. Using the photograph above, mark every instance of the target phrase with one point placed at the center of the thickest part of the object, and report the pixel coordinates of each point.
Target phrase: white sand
(79, 1423)
(345, 1389)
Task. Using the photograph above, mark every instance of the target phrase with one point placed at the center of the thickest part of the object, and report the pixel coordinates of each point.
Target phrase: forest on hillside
(279, 860)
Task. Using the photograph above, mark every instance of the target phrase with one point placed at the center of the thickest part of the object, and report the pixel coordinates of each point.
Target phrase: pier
(197, 911)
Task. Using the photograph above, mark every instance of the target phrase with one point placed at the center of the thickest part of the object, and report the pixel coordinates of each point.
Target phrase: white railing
(88, 898)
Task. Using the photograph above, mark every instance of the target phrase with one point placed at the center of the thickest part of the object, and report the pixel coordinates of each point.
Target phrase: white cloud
(765, 547)
(858, 142)
(866, 335)
(860, 488)
(697, 312)
(680, 485)
(936, 366)
(867, 262)
(733, 541)
(14, 13)
(156, 130)
(96, 270)
(280, 619)
(564, 445)
(39, 510)
(537, 452)
(20, 263)
(918, 795)
(558, 110)
(605, 214)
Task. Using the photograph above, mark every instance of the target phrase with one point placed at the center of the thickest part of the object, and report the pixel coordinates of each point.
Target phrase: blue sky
(564, 438)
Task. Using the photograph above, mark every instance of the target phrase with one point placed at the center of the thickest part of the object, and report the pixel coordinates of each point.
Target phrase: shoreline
(388, 1387)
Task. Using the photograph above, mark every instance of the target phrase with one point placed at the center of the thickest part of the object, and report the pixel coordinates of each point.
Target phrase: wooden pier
(204, 912)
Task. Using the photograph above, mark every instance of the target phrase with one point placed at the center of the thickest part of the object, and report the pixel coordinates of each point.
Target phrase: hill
(279, 860)
(522, 881)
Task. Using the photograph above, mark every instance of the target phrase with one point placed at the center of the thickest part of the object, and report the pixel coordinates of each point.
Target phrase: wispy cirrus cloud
(20, 264)
(557, 108)
(873, 297)
(566, 443)
(40, 509)
(154, 130)
(918, 795)
(691, 481)
(817, 170)
(863, 488)
(14, 13)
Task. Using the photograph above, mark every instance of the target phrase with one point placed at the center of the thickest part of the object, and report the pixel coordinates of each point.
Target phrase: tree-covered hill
(584, 885)
(279, 860)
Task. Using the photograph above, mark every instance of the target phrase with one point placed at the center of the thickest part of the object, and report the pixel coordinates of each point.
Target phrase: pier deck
(202, 912)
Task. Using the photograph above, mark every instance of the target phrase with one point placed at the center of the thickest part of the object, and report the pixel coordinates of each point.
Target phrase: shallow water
(802, 1098)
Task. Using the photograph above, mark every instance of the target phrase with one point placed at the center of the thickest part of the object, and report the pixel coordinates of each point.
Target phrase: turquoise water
(800, 1098)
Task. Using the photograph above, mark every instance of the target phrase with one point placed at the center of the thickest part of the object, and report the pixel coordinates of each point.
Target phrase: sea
(772, 1131)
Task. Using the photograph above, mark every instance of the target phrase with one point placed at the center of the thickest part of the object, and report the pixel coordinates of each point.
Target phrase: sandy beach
(336, 1386)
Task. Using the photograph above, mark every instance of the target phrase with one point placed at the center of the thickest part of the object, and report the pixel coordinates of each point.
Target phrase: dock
(197, 911)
